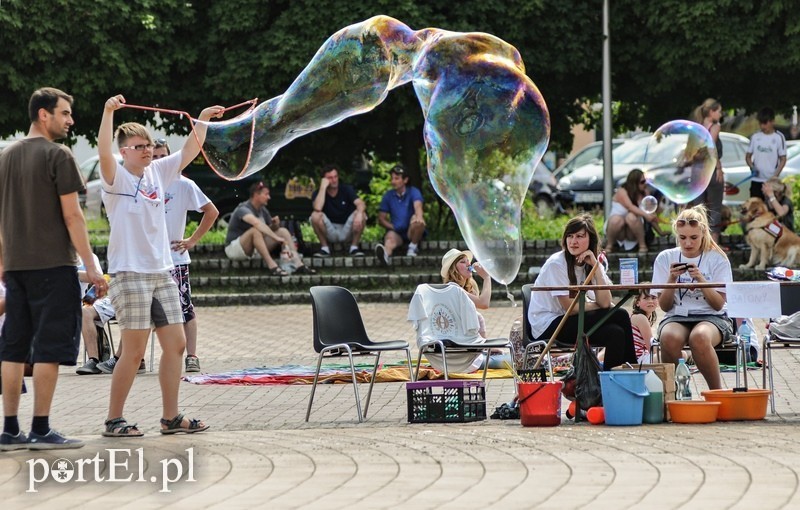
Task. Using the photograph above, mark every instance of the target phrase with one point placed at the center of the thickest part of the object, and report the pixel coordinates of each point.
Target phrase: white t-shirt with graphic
(766, 150)
(182, 196)
(446, 313)
(716, 268)
(135, 207)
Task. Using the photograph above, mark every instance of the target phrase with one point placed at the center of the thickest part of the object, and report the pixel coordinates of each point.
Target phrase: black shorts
(43, 316)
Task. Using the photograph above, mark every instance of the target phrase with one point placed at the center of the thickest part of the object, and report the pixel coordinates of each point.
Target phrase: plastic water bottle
(683, 381)
(745, 332)
(653, 411)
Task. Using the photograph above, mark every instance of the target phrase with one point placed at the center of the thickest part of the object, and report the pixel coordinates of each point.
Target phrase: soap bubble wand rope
(192, 121)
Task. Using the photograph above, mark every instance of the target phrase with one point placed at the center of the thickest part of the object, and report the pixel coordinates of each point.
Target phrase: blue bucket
(623, 396)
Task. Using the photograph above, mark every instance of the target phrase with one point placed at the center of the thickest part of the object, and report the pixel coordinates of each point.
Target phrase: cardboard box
(665, 372)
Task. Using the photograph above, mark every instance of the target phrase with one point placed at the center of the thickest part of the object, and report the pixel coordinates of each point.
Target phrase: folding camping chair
(781, 337)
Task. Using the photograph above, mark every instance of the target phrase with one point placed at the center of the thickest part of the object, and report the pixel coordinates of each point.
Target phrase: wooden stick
(564, 319)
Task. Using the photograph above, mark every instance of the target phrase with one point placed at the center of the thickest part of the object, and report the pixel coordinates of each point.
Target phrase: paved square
(260, 453)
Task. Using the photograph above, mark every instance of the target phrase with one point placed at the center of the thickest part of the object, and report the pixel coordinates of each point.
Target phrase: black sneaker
(52, 441)
(142, 368)
(380, 254)
(355, 252)
(322, 254)
(10, 443)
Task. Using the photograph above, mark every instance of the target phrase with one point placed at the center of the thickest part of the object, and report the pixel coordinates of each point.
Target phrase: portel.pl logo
(113, 465)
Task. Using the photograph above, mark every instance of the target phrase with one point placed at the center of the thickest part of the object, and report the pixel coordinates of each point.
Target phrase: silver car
(584, 187)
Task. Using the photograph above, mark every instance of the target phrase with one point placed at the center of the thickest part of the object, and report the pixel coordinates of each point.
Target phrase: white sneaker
(412, 252)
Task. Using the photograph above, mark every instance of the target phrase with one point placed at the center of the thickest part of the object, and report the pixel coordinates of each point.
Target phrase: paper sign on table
(753, 299)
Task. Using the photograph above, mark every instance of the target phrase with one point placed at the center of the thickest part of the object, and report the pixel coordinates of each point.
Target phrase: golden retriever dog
(770, 242)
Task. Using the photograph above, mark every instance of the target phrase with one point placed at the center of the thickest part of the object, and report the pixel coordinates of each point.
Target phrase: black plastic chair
(531, 343)
(339, 330)
(790, 304)
(443, 346)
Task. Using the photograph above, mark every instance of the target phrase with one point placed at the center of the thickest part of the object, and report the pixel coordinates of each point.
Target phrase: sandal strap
(120, 424)
(173, 423)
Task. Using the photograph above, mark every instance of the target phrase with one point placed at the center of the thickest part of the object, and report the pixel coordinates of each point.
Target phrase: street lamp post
(608, 168)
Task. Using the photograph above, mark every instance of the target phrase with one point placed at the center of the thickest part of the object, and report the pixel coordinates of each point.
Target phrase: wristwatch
(772, 199)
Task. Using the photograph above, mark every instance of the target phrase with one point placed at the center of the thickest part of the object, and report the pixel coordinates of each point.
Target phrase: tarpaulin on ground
(331, 374)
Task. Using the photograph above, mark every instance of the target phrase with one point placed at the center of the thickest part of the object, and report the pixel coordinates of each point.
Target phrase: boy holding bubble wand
(142, 289)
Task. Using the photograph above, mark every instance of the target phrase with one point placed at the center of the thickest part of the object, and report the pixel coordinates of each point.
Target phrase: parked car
(589, 153)
(737, 188)
(90, 199)
(584, 187)
(543, 191)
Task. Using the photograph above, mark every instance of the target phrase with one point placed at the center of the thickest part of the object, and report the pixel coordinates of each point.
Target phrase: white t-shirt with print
(182, 195)
(766, 149)
(545, 306)
(716, 268)
(446, 313)
(135, 207)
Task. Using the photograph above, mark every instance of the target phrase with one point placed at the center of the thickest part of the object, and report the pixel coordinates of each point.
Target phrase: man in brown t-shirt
(41, 227)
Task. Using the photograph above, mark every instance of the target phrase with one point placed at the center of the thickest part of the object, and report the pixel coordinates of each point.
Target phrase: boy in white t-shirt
(766, 154)
(142, 290)
(184, 195)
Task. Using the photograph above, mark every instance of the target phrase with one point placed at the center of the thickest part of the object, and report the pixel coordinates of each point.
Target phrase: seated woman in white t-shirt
(696, 317)
(571, 266)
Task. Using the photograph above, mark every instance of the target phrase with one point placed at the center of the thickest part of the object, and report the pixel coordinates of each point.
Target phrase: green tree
(186, 54)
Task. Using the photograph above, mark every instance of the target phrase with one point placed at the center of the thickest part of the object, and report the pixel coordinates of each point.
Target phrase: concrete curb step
(401, 289)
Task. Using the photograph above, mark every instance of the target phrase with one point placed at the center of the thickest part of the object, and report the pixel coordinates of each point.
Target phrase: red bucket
(540, 404)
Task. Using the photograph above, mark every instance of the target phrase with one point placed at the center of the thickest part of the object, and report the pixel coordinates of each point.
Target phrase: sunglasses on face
(643, 182)
(160, 142)
(682, 223)
(140, 147)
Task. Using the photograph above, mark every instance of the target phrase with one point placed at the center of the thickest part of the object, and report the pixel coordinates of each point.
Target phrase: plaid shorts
(145, 299)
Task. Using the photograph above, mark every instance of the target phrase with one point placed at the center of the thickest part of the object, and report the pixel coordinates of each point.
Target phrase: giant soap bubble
(486, 124)
(684, 157)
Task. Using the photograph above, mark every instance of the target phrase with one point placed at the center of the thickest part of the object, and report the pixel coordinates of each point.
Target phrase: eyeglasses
(682, 223)
(140, 147)
(160, 142)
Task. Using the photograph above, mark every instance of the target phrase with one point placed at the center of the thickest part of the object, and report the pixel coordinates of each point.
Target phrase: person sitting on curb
(403, 204)
(253, 228)
(339, 215)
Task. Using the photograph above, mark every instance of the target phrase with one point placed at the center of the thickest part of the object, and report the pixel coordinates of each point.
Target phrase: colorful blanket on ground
(330, 374)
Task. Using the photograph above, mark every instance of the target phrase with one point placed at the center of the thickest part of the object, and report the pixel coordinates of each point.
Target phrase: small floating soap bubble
(649, 204)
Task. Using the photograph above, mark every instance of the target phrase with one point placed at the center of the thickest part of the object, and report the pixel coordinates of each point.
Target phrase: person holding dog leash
(775, 197)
